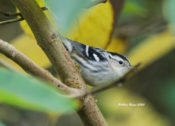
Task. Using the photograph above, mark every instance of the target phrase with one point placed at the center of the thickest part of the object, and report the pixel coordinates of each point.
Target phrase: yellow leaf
(29, 47)
(152, 48)
(118, 45)
(24, 24)
(124, 108)
(92, 28)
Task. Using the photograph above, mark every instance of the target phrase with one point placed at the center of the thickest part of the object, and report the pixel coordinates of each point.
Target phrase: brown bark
(51, 44)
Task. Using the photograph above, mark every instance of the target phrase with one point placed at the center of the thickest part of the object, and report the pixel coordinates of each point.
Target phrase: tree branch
(51, 44)
(30, 67)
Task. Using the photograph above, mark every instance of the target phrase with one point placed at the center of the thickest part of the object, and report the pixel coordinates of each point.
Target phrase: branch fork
(59, 57)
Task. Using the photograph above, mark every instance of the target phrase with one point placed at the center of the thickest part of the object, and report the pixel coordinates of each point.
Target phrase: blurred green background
(146, 30)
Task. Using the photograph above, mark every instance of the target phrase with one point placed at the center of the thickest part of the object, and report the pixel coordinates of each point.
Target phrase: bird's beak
(132, 67)
(135, 67)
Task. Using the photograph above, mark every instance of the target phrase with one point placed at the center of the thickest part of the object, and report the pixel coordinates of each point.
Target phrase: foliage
(142, 53)
(144, 34)
(167, 93)
(133, 8)
(92, 28)
(30, 93)
(1, 124)
(169, 12)
(65, 17)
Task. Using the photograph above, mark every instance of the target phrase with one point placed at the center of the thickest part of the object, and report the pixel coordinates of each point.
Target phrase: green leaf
(169, 10)
(30, 93)
(167, 95)
(66, 11)
(2, 124)
(133, 8)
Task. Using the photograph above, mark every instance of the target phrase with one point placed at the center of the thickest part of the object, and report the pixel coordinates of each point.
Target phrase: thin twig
(32, 68)
(10, 14)
(14, 14)
(11, 21)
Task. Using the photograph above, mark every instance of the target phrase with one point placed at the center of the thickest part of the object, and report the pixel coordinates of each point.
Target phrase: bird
(97, 66)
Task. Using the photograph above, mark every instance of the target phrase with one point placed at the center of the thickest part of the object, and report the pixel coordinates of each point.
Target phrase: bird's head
(119, 63)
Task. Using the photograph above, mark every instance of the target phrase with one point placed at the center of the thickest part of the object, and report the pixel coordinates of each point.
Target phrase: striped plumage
(97, 65)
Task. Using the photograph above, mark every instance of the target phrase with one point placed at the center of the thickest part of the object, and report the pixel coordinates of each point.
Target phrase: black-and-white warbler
(97, 65)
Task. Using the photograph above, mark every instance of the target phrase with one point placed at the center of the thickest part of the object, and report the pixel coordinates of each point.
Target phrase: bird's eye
(120, 62)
